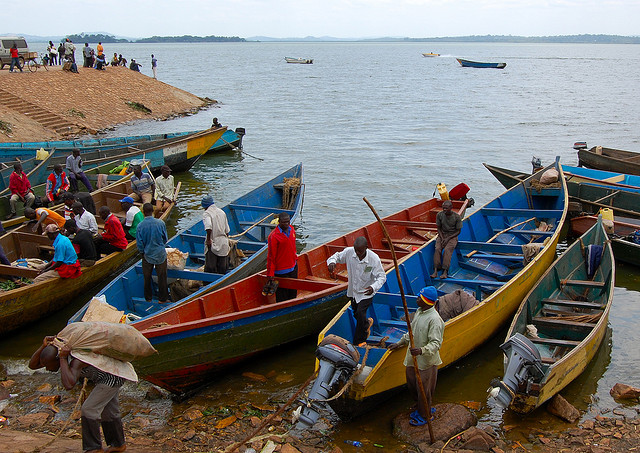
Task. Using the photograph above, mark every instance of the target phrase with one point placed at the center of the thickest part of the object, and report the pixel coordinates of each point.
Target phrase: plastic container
(606, 213)
(355, 443)
(41, 154)
(442, 191)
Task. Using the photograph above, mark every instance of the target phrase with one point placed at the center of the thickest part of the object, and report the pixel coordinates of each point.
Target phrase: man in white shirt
(216, 245)
(366, 277)
(84, 219)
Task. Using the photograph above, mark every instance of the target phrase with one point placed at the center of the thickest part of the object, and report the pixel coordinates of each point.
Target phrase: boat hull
(559, 372)
(478, 64)
(610, 159)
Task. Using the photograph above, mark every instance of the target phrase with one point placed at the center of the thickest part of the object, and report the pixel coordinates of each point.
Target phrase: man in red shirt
(113, 238)
(57, 183)
(282, 258)
(20, 188)
(15, 58)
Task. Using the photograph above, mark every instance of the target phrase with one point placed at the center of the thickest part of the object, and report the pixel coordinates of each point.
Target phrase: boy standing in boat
(449, 224)
(366, 277)
(427, 328)
(282, 257)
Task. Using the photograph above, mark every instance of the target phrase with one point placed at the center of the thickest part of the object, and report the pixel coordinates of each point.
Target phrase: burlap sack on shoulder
(119, 341)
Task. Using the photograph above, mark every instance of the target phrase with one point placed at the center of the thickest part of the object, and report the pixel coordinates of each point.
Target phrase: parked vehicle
(6, 42)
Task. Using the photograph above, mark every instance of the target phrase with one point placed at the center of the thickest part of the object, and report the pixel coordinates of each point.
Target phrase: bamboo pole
(406, 315)
(470, 254)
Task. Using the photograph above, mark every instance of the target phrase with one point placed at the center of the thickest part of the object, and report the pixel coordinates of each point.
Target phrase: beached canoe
(623, 240)
(590, 196)
(39, 191)
(197, 339)
(479, 64)
(610, 159)
(249, 220)
(621, 181)
(32, 302)
(488, 263)
(560, 325)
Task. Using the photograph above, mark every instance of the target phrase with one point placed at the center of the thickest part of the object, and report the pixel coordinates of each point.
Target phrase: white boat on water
(299, 60)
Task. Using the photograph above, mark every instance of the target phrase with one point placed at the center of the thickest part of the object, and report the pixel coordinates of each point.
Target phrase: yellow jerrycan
(442, 191)
(607, 213)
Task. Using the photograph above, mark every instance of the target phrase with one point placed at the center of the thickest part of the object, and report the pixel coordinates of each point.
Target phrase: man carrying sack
(79, 351)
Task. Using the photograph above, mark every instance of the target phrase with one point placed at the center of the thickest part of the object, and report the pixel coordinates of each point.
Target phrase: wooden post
(406, 315)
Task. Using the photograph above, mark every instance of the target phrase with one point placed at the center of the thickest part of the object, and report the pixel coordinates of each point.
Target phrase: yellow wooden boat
(495, 273)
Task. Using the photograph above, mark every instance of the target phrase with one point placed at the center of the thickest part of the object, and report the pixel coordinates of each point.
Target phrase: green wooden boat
(592, 197)
(625, 249)
(559, 327)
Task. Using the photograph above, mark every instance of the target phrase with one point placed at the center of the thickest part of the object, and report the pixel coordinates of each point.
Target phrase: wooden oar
(235, 148)
(406, 315)
(470, 254)
(255, 224)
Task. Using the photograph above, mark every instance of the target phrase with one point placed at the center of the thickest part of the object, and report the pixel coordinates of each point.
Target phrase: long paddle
(406, 315)
(235, 148)
(470, 254)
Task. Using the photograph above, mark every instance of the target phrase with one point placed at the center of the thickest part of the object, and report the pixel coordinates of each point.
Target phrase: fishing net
(290, 192)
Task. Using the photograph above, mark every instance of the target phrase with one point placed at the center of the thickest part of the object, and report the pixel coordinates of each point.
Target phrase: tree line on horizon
(98, 37)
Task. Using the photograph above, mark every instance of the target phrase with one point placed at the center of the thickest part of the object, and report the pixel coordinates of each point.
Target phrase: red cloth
(19, 183)
(14, 52)
(281, 253)
(51, 182)
(114, 233)
(69, 270)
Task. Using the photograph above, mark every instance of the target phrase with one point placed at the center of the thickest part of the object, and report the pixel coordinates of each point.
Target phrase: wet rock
(255, 376)
(154, 393)
(561, 408)
(284, 378)
(449, 420)
(624, 391)
(50, 399)
(475, 439)
(255, 421)
(7, 384)
(189, 435)
(288, 448)
(588, 424)
(44, 388)
(192, 414)
(34, 420)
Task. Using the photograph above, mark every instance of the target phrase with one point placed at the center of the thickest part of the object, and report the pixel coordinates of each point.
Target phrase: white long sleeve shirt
(362, 273)
(215, 220)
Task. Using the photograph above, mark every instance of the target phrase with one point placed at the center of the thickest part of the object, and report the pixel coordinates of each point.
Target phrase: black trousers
(285, 293)
(105, 248)
(360, 313)
(161, 271)
(215, 264)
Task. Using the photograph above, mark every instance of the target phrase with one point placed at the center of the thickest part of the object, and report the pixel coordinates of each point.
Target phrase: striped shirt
(101, 377)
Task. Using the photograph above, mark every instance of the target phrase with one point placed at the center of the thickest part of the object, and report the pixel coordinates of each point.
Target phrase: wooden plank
(555, 342)
(492, 247)
(489, 256)
(463, 282)
(511, 212)
(18, 271)
(411, 224)
(241, 207)
(563, 323)
(573, 303)
(583, 283)
(530, 232)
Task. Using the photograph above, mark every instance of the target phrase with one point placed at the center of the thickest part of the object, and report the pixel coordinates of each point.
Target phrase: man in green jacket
(427, 327)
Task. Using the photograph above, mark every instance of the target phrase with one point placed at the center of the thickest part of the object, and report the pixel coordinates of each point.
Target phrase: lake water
(380, 120)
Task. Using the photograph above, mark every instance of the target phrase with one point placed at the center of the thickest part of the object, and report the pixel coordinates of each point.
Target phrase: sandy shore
(89, 101)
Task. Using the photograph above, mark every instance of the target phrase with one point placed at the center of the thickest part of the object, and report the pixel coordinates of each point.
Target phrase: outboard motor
(536, 163)
(524, 365)
(338, 360)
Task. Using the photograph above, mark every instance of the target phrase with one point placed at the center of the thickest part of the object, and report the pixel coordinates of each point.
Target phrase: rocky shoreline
(56, 104)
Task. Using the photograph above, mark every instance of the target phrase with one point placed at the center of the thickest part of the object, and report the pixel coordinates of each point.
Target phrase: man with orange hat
(428, 328)
(65, 262)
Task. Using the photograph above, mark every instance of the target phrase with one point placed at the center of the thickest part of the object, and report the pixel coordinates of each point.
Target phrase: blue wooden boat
(230, 140)
(249, 219)
(488, 263)
(478, 64)
(559, 327)
(621, 181)
(199, 338)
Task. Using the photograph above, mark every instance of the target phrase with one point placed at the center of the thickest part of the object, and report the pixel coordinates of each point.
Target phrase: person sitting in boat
(165, 188)
(20, 188)
(74, 170)
(428, 328)
(64, 263)
(84, 219)
(57, 184)
(215, 124)
(449, 225)
(83, 244)
(366, 276)
(113, 238)
(83, 197)
(142, 185)
(282, 257)
(44, 217)
(217, 240)
(133, 217)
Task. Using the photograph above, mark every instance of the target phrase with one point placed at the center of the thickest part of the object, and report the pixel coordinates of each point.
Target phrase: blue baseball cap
(127, 200)
(429, 295)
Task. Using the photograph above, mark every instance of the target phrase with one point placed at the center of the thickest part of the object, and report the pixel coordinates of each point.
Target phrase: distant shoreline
(563, 39)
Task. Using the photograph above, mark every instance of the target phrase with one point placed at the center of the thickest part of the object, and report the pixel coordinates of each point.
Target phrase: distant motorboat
(478, 64)
(430, 54)
(299, 60)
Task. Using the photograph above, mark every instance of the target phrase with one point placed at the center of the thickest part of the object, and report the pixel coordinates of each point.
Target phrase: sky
(335, 18)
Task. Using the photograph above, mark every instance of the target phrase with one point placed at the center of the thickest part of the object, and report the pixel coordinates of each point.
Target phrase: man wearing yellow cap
(427, 327)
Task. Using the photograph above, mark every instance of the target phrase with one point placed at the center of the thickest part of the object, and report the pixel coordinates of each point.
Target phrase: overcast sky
(337, 18)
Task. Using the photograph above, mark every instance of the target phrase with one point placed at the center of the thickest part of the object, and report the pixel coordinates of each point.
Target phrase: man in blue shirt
(151, 240)
(65, 262)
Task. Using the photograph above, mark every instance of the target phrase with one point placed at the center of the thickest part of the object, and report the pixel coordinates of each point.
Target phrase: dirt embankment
(89, 102)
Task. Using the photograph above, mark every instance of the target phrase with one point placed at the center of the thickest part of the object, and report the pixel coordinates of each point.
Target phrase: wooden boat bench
(412, 224)
(467, 265)
(265, 209)
(524, 213)
(583, 283)
(186, 274)
(573, 304)
(542, 322)
(493, 247)
(18, 271)
(555, 342)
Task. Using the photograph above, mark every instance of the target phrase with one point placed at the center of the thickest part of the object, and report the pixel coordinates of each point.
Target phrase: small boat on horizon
(299, 60)
(431, 54)
(478, 64)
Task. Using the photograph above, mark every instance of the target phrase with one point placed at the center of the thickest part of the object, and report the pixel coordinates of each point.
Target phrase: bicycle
(34, 61)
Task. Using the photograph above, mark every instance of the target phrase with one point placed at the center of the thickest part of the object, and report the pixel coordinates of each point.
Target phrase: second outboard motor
(524, 365)
(536, 163)
(338, 360)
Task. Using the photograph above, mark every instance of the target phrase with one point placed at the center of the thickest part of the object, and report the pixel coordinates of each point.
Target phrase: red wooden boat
(200, 337)
(624, 248)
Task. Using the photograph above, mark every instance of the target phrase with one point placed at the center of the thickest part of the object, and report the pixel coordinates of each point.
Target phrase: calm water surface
(381, 121)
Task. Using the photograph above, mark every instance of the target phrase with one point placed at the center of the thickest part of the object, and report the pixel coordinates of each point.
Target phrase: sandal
(417, 421)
